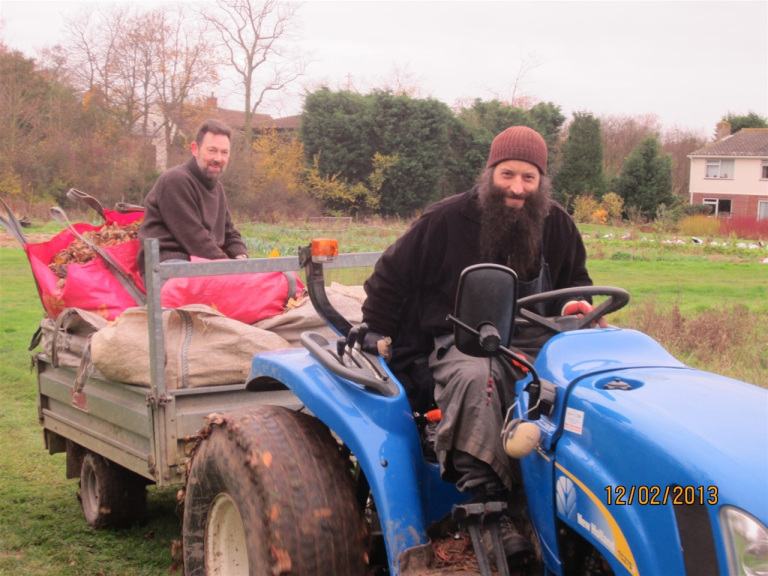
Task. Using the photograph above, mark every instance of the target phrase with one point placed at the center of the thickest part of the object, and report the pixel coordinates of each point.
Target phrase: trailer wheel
(110, 495)
(268, 492)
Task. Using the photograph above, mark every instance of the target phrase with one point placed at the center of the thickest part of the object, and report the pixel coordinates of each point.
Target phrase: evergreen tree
(751, 120)
(645, 182)
(438, 153)
(334, 129)
(581, 171)
(484, 120)
(416, 131)
(345, 131)
(547, 118)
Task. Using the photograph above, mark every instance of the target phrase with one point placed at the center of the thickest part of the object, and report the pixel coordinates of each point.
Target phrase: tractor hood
(677, 426)
(634, 405)
(656, 448)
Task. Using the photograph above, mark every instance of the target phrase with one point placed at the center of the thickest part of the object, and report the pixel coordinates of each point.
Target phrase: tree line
(80, 117)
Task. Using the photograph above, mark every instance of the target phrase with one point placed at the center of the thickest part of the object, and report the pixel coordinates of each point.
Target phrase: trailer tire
(268, 492)
(111, 496)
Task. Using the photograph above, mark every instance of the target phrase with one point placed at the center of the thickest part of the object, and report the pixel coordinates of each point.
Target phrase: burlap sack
(65, 339)
(348, 300)
(202, 347)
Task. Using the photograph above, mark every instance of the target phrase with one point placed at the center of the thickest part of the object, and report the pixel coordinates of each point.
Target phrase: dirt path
(8, 241)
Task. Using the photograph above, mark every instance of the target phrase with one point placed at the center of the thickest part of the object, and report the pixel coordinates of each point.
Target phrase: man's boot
(515, 545)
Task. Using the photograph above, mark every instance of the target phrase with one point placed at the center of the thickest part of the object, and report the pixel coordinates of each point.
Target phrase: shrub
(699, 226)
(613, 204)
(667, 217)
(584, 208)
(600, 216)
(728, 333)
(698, 209)
(745, 227)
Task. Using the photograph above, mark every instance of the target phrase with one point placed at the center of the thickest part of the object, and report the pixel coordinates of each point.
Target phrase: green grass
(286, 237)
(42, 532)
(708, 308)
(693, 285)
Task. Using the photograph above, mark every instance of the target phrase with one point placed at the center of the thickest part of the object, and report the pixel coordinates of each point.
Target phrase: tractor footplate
(479, 517)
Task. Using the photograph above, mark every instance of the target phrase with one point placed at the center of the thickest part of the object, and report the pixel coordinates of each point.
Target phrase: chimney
(213, 103)
(723, 130)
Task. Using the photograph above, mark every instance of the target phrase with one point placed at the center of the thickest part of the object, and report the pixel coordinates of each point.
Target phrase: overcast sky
(689, 62)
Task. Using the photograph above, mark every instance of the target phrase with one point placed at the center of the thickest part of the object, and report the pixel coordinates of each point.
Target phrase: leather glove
(377, 344)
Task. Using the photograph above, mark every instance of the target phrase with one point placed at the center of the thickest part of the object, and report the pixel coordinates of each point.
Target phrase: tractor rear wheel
(269, 492)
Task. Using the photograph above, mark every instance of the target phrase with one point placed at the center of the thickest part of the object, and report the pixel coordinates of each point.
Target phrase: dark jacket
(188, 214)
(413, 286)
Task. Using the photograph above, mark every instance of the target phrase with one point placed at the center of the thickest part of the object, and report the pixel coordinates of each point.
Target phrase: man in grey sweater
(187, 210)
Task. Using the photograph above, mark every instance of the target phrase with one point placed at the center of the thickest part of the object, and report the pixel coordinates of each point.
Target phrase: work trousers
(473, 395)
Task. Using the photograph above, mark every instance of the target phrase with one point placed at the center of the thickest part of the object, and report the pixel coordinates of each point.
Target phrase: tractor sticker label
(586, 513)
(574, 420)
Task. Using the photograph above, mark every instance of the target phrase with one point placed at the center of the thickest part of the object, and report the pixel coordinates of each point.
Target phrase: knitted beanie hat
(519, 143)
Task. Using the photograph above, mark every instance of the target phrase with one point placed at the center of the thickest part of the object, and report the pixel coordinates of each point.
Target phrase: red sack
(244, 297)
(122, 219)
(91, 286)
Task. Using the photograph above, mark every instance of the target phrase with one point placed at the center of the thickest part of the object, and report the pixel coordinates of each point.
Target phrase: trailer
(119, 437)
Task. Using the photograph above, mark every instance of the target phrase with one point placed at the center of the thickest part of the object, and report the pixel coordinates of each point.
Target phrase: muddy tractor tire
(111, 496)
(269, 492)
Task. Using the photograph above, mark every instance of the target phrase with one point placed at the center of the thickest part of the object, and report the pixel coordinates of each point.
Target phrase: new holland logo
(565, 494)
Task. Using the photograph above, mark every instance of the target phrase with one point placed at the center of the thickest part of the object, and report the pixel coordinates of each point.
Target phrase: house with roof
(260, 122)
(210, 109)
(731, 173)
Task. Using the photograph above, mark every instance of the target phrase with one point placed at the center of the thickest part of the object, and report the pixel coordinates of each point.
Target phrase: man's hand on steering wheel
(577, 313)
(580, 307)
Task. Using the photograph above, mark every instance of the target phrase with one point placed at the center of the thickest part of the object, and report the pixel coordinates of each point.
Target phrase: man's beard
(513, 236)
(213, 176)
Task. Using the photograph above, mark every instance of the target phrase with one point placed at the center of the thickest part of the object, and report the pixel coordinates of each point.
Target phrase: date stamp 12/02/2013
(660, 495)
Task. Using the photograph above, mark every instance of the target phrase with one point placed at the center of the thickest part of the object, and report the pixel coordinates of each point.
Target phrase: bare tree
(403, 81)
(184, 67)
(93, 51)
(254, 37)
(136, 59)
(139, 65)
(679, 142)
(622, 133)
(514, 95)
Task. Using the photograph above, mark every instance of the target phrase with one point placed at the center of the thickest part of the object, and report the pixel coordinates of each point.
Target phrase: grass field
(708, 309)
(43, 532)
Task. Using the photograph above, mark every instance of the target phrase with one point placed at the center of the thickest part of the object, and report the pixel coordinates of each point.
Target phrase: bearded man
(187, 210)
(508, 218)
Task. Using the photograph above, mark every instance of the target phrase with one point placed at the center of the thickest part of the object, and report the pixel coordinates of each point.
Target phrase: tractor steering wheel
(617, 299)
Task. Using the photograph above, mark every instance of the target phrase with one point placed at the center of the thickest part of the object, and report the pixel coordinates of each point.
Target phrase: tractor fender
(383, 437)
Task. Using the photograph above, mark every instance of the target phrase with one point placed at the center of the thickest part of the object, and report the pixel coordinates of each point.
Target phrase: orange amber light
(324, 250)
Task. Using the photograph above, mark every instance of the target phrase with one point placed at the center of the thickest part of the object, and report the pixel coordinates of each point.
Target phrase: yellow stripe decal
(623, 553)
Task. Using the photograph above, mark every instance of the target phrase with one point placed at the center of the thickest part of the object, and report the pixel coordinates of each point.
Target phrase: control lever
(340, 345)
(363, 331)
(352, 337)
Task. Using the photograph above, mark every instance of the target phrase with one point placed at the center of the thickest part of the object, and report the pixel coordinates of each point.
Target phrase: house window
(719, 169)
(764, 170)
(762, 210)
(720, 206)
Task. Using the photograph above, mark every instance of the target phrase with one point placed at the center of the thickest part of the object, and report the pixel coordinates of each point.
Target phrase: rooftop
(748, 142)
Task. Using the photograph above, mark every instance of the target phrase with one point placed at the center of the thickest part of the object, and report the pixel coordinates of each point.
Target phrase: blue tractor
(632, 462)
